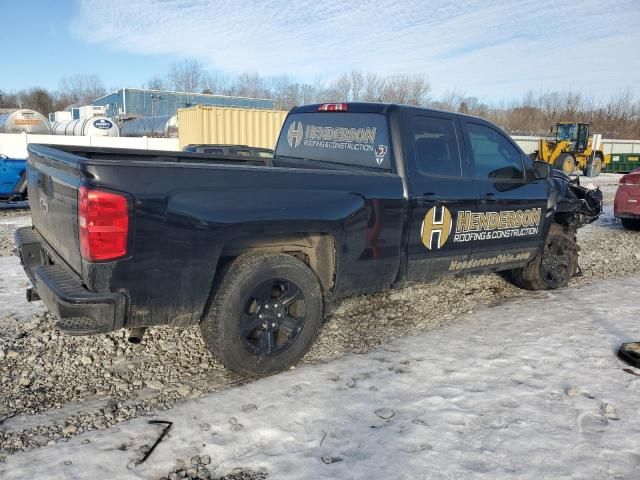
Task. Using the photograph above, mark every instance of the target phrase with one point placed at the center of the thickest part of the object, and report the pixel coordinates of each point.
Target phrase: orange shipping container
(225, 125)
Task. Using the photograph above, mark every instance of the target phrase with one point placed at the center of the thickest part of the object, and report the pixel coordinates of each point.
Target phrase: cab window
(347, 138)
(494, 156)
(436, 147)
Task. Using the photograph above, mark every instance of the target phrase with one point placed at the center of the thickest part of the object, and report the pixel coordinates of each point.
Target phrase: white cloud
(489, 49)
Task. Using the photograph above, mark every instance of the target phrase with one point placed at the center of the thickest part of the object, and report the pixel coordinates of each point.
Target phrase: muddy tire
(264, 315)
(630, 223)
(554, 267)
(565, 163)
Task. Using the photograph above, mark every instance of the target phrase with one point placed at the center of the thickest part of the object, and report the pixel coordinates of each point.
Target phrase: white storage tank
(24, 120)
(92, 127)
(161, 126)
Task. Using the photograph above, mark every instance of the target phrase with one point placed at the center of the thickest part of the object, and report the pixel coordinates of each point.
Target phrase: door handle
(430, 196)
(491, 197)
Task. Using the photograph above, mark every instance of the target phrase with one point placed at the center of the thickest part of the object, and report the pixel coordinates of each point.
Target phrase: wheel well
(315, 249)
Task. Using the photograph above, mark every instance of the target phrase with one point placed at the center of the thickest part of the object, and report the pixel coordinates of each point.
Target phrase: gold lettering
(494, 220)
(474, 222)
(519, 216)
(537, 214)
(484, 221)
(463, 221)
(503, 220)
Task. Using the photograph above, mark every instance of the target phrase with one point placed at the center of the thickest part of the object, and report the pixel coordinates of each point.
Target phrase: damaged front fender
(576, 205)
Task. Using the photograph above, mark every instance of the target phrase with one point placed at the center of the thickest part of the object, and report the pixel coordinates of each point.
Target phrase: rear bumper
(81, 312)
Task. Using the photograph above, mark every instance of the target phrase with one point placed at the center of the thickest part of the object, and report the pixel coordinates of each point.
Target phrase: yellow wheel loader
(572, 148)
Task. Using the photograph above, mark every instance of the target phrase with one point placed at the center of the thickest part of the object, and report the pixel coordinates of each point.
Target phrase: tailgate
(53, 178)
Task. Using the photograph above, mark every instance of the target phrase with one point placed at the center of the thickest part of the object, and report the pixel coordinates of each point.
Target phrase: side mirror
(541, 170)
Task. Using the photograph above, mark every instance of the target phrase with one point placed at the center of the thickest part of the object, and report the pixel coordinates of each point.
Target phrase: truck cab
(471, 194)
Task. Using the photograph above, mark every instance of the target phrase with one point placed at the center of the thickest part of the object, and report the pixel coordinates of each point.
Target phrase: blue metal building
(138, 102)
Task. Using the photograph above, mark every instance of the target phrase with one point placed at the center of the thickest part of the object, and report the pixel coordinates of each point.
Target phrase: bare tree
(251, 85)
(155, 83)
(80, 89)
(419, 88)
(9, 100)
(37, 99)
(372, 89)
(186, 76)
(451, 100)
(217, 84)
(307, 94)
(341, 88)
(357, 85)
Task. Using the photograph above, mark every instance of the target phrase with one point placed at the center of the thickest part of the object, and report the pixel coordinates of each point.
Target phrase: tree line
(72, 90)
(531, 114)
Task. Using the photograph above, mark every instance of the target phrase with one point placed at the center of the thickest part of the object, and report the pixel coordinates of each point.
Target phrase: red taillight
(333, 107)
(103, 224)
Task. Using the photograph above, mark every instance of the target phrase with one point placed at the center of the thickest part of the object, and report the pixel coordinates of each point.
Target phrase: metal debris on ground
(162, 435)
(630, 353)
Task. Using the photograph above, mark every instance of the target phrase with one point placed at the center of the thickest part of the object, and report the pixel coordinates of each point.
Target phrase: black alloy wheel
(265, 311)
(273, 317)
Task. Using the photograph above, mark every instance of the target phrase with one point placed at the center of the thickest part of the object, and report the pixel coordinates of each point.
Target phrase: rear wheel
(265, 313)
(554, 267)
(631, 223)
(565, 162)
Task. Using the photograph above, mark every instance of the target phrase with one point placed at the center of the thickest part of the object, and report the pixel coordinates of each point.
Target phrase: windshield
(567, 131)
(359, 139)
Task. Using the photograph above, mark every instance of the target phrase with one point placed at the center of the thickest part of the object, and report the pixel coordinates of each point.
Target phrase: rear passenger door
(440, 186)
(509, 224)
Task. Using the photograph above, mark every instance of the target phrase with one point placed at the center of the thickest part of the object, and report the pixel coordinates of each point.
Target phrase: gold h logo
(436, 227)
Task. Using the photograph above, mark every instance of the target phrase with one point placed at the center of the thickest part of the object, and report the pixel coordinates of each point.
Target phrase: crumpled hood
(576, 205)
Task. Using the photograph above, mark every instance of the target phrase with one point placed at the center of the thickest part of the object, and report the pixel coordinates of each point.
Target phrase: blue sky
(495, 50)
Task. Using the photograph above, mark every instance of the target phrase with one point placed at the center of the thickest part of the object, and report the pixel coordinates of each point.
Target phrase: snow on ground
(528, 389)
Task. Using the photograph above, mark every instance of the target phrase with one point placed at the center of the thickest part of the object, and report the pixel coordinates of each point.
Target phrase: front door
(508, 227)
(440, 187)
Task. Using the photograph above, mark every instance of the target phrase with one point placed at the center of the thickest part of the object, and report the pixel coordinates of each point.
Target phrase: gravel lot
(54, 386)
(7, 229)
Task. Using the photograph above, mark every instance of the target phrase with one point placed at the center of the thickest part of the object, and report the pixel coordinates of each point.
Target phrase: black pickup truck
(359, 198)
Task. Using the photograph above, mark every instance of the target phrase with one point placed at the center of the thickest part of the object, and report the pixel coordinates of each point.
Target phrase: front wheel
(554, 266)
(565, 162)
(265, 313)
